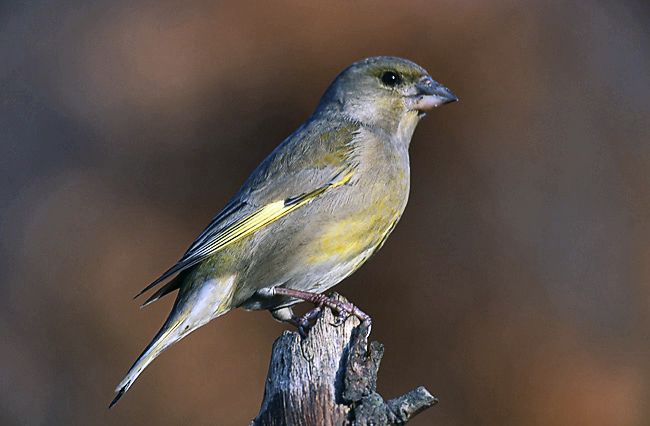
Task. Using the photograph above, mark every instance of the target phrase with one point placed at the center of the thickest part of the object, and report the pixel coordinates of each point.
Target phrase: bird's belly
(347, 239)
(330, 253)
(335, 253)
(318, 246)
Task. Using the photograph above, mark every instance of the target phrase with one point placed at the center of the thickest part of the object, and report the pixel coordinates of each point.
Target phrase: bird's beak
(429, 94)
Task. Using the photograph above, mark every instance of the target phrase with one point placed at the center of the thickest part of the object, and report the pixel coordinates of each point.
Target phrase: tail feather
(194, 307)
(117, 397)
(169, 334)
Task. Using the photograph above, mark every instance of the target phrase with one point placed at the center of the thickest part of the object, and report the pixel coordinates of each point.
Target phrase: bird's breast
(375, 202)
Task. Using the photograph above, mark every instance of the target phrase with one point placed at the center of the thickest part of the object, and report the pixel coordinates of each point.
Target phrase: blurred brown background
(516, 287)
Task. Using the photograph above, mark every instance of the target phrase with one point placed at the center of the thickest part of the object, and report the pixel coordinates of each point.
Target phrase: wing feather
(217, 237)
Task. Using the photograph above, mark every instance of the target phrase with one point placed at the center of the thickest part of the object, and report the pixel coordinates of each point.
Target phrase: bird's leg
(344, 309)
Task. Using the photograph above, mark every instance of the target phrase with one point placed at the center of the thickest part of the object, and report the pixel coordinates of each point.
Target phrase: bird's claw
(341, 317)
(344, 310)
(303, 327)
(304, 323)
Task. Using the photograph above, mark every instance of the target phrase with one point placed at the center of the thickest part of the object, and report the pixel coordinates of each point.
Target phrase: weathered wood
(330, 378)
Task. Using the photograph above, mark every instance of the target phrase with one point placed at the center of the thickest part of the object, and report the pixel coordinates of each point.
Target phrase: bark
(330, 378)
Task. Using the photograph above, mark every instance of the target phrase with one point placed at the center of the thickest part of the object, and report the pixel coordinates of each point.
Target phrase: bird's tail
(169, 334)
(190, 312)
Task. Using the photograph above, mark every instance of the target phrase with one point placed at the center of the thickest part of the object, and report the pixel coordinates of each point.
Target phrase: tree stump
(330, 378)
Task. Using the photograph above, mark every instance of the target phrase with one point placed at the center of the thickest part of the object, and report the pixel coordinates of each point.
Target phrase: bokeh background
(516, 287)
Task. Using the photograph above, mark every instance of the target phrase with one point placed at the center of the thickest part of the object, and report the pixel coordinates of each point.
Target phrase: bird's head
(385, 92)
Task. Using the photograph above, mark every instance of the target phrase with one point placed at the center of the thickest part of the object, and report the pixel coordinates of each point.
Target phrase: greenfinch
(311, 213)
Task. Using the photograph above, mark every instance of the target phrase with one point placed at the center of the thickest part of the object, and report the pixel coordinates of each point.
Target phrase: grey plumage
(313, 211)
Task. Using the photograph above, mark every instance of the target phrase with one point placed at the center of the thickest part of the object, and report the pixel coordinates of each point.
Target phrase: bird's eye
(391, 79)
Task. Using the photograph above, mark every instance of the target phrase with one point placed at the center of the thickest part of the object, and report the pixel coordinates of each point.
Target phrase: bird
(311, 213)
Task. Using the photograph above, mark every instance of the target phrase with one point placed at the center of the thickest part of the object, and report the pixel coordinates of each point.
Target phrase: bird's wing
(316, 158)
(241, 221)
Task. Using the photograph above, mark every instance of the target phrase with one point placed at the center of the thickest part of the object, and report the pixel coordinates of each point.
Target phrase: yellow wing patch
(246, 226)
(265, 216)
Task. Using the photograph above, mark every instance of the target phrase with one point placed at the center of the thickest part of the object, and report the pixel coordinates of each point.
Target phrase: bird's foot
(343, 310)
(304, 323)
(340, 318)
